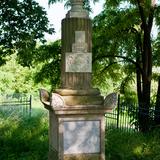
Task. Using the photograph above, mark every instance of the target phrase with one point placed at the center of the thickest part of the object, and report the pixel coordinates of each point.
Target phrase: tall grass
(23, 138)
(132, 146)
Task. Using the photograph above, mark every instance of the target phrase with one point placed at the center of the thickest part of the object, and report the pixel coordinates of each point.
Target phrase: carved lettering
(78, 62)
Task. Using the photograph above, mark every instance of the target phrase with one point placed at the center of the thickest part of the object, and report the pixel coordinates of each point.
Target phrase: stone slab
(81, 137)
(78, 62)
(77, 14)
(83, 100)
(79, 111)
(83, 157)
(72, 92)
(79, 36)
(79, 47)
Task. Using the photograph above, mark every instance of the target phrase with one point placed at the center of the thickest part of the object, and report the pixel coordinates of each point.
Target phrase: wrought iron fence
(16, 103)
(125, 116)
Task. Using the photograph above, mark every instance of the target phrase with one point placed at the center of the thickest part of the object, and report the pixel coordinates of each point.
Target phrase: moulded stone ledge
(80, 111)
(83, 100)
(72, 92)
(83, 157)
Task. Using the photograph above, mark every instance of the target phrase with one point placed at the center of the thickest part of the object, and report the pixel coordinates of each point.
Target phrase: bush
(132, 146)
(23, 138)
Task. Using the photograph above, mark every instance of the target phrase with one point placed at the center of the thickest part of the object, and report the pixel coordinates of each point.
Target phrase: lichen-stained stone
(83, 157)
(83, 100)
(78, 62)
(77, 10)
(110, 100)
(74, 92)
(81, 137)
(56, 101)
(76, 109)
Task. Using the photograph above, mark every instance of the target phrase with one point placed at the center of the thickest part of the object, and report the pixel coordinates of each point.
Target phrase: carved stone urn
(77, 9)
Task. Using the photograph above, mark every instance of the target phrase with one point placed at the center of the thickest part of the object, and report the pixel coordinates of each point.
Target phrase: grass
(23, 138)
(132, 146)
(26, 138)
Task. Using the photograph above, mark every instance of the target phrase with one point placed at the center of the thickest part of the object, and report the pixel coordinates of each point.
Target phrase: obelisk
(76, 110)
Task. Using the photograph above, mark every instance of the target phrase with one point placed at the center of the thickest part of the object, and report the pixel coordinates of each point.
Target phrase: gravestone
(76, 110)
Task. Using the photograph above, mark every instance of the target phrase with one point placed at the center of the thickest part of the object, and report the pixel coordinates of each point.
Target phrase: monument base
(77, 134)
(76, 131)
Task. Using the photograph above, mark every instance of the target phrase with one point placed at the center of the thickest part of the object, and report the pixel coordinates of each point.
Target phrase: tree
(67, 4)
(48, 56)
(22, 23)
(125, 33)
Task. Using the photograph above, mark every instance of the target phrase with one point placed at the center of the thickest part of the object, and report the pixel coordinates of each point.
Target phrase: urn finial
(77, 10)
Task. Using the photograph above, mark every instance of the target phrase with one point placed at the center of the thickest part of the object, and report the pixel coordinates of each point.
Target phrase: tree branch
(141, 11)
(109, 66)
(122, 57)
(150, 19)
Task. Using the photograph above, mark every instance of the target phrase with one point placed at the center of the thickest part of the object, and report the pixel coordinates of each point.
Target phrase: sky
(57, 12)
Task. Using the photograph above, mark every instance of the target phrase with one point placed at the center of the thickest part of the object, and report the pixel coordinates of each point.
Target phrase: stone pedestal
(77, 130)
(77, 123)
(76, 110)
(77, 134)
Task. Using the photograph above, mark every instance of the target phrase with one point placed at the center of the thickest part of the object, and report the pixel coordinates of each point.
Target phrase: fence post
(118, 109)
(30, 105)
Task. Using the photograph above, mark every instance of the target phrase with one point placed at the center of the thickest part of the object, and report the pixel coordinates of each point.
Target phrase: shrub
(132, 146)
(23, 138)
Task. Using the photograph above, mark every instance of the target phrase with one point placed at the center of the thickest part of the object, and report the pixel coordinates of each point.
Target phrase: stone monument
(76, 110)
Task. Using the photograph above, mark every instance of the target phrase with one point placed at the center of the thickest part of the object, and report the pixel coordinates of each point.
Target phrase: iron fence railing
(125, 116)
(18, 103)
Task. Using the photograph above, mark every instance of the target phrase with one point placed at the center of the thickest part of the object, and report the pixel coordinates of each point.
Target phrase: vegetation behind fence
(126, 116)
(16, 103)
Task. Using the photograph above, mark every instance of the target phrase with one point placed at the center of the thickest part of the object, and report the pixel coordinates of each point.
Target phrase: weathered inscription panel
(79, 36)
(81, 137)
(78, 62)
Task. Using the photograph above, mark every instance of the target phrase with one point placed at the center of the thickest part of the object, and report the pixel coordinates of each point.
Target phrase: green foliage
(22, 22)
(118, 41)
(132, 146)
(43, 69)
(17, 79)
(48, 58)
(23, 137)
(86, 3)
(113, 49)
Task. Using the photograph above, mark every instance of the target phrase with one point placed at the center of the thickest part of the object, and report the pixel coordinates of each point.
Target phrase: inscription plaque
(81, 137)
(79, 36)
(80, 45)
(78, 62)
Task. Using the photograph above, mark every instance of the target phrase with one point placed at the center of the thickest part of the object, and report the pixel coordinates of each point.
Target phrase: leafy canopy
(86, 3)
(22, 23)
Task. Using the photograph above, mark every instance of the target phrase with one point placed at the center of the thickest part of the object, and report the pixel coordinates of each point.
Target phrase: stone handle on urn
(51, 101)
(110, 101)
(45, 98)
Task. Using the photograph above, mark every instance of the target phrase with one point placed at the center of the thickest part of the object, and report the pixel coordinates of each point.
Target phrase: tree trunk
(138, 72)
(146, 81)
(147, 23)
(157, 106)
(144, 108)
